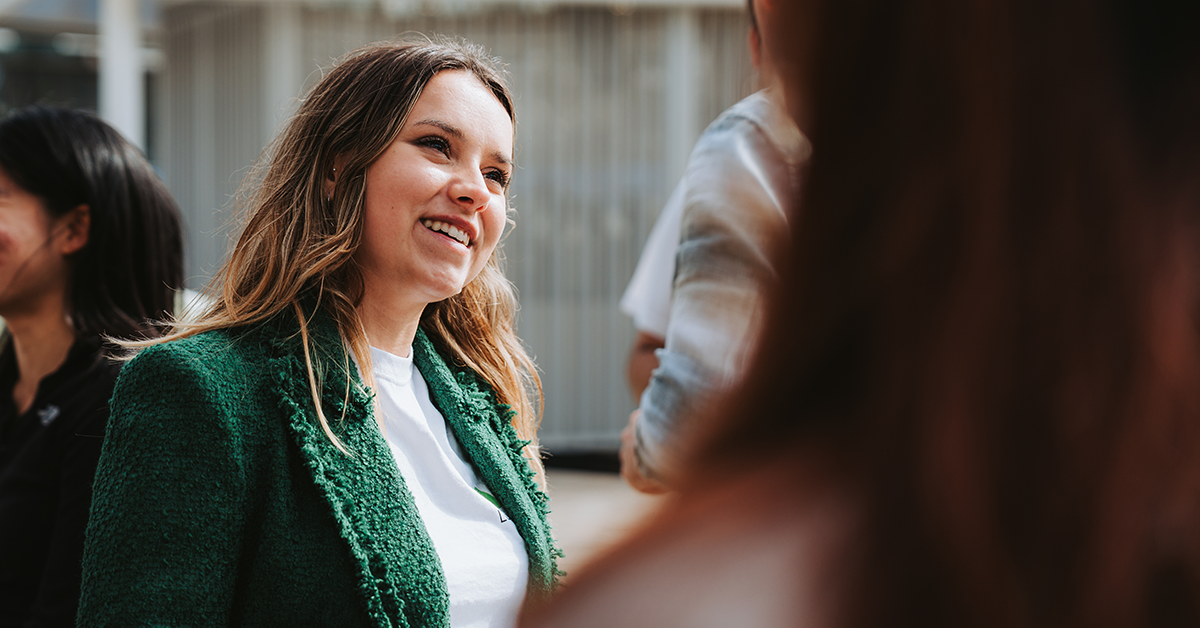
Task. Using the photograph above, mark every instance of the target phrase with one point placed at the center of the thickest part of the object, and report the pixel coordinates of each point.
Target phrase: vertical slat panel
(202, 206)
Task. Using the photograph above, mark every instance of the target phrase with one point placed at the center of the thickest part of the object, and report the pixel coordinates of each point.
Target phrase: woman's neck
(41, 341)
(390, 326)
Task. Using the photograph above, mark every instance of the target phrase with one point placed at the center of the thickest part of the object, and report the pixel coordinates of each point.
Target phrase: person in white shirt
(696, 294)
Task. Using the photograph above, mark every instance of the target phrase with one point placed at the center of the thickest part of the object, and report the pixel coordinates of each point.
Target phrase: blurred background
(610, 98)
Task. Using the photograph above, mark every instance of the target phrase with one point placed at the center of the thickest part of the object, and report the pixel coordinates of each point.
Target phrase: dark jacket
(47, 462)
(219, 499)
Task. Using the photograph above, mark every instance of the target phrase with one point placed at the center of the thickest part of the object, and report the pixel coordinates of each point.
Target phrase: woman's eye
(436, 143)
(499, 176)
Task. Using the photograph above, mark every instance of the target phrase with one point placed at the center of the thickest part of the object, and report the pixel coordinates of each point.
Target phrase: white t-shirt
(482, 553)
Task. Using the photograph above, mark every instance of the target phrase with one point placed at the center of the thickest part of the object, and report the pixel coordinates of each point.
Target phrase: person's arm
(643, 361)
(732, 222)
(647, 299)
(168, 507)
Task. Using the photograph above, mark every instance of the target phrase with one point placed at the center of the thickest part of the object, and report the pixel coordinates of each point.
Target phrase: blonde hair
(299, 241)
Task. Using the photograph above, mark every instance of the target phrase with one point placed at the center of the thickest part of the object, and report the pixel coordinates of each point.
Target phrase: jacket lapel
(399, 573)
(484, 430)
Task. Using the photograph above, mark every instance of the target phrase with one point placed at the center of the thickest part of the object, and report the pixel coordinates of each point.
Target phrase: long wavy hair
(299, 240)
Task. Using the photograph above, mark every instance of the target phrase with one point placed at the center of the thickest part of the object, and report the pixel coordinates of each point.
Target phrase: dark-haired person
(347, 436)
(977, 401)
(89, 248)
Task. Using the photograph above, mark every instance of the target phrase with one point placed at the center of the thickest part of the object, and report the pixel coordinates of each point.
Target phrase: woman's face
(32, 262)
(435, 199)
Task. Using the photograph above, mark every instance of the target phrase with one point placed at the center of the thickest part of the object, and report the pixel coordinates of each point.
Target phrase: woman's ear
(75, 225)
(332, 176)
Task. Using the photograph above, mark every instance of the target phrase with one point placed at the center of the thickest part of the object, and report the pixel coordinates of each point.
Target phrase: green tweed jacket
(220, 501)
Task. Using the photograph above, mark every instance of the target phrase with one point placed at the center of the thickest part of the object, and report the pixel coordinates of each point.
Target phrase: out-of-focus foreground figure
(977, 401)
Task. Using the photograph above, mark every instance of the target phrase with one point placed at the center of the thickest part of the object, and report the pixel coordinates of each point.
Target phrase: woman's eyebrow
(445, 126)
(457, 133)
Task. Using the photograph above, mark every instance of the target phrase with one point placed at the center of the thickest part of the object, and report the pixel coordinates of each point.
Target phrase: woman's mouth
(450, 230)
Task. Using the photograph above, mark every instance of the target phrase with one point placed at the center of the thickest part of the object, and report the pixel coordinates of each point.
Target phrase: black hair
(129, 270)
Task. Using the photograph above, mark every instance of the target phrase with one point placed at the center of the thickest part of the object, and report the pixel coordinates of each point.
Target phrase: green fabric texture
(219, 500)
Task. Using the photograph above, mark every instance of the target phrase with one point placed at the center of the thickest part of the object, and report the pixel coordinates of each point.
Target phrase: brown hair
(299, 242)
(987, 325)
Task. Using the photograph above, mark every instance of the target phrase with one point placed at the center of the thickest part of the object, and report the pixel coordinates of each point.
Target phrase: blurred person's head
(86, 216)
(988, 326)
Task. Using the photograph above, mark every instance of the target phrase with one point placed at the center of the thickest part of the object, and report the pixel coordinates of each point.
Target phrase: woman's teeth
(450, 230)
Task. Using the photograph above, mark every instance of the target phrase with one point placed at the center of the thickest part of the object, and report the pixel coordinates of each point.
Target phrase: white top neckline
(482, 554)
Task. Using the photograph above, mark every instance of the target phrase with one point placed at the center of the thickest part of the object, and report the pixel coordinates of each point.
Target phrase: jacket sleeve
(168, 508)
(732, 221)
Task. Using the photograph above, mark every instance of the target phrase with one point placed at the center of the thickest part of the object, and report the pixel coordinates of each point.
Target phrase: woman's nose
(470, 189)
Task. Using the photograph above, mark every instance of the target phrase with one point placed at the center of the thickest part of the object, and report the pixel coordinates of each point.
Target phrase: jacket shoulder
(211, 351)
(192, 375)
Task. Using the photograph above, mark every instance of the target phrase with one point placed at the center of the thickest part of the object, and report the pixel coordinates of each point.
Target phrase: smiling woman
(347, 437)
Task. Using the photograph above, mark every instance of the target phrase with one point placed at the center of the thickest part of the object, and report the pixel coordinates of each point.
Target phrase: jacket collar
(399, 573)
(484, 429)
(398, 566)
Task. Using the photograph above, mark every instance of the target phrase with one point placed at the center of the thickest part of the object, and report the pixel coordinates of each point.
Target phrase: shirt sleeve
(647, 299)
(168, 508)
(733, 220)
